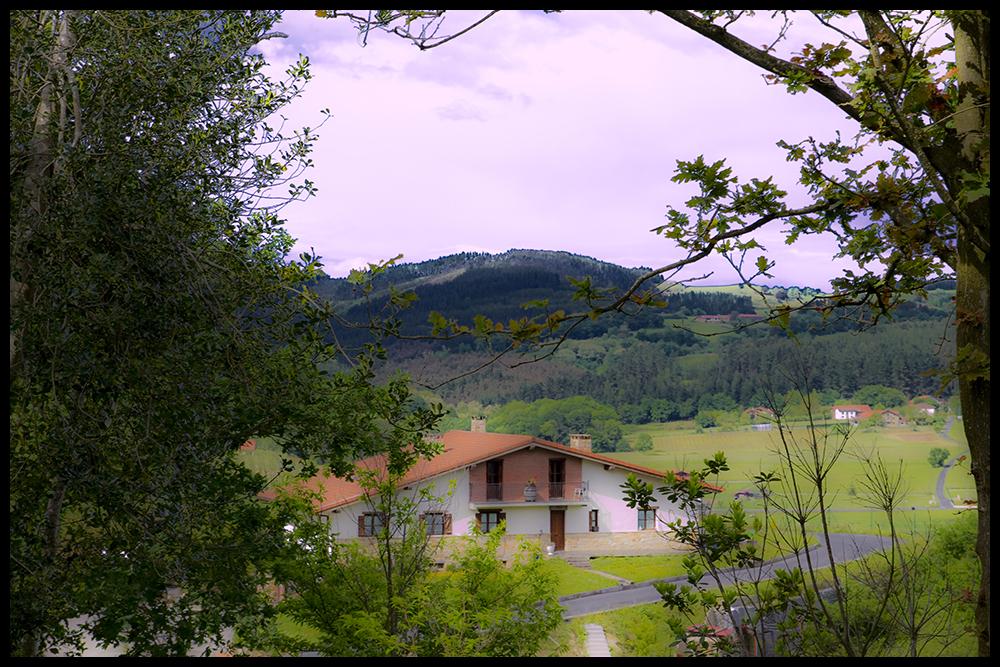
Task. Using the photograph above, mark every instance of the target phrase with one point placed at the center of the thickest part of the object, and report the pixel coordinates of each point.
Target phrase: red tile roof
(461, 449)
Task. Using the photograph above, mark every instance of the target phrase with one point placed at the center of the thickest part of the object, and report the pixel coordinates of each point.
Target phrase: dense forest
(502, 286)
(656, 365)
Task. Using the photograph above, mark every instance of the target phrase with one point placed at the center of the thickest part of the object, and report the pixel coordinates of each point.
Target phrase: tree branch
(820, 83)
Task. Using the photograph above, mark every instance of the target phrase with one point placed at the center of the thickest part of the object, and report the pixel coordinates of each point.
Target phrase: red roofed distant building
(760, 413)
(852, 413)
(891, 418)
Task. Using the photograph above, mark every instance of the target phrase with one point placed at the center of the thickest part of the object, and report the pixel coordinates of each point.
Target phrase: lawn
(571, 579)
(904, 450)
(640, 568)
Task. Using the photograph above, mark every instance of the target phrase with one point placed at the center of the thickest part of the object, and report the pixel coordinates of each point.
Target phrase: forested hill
(670, 354)
(450, 268)
(498, 286)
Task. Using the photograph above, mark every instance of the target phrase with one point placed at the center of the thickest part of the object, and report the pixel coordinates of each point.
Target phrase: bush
(937, 457)
(705, 420)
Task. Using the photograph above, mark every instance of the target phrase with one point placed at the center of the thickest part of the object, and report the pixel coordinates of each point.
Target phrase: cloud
(460, 110)
(578, 120)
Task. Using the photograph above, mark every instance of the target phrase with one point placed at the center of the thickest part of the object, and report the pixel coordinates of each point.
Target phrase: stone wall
(650, 542)
(612, 544)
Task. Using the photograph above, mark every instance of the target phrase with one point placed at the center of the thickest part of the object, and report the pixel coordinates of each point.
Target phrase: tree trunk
(972, 300)
(973, 334)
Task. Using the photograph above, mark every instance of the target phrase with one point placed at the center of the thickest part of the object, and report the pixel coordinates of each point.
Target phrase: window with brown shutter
(489, 519)
(370, 524)
(437, 523)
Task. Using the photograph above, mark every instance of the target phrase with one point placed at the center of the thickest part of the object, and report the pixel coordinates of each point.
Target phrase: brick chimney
(478, 425)
(580, 441)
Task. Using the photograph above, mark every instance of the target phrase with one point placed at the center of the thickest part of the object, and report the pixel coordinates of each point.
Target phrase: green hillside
(674, 353)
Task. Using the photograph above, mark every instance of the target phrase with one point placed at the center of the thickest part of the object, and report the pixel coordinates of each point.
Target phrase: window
(594, 528)
(489, 520)
(557, 477)
(369, 524)
(494, 480)
(647, 519)
(437, 523)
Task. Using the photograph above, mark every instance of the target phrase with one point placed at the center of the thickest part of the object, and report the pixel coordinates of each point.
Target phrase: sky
(554, 132)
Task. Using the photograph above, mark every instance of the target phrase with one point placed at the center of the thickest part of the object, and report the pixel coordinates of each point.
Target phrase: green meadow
(903, 449)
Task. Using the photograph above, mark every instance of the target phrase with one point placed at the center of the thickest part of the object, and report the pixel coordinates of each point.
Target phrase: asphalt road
(944, 501)
(844, 547)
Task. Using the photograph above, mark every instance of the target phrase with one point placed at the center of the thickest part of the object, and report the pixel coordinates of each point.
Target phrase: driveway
(844, 546)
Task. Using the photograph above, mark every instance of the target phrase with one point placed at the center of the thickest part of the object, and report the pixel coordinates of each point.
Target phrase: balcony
(561, 493)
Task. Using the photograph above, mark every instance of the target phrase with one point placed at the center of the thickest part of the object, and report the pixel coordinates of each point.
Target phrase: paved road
(844, 546)
(943, 500)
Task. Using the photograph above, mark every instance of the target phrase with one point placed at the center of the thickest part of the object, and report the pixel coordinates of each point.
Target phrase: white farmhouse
(566, 496)
(853, 413)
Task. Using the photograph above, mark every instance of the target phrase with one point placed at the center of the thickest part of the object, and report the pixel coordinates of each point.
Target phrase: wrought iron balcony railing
(521, 492)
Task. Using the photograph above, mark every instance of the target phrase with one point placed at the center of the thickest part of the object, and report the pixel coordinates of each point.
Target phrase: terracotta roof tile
(461, 449)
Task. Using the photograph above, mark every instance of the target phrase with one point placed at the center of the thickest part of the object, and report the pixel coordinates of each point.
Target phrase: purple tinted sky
(555, 132)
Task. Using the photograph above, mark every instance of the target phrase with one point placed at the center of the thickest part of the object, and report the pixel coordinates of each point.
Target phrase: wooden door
(557, 528)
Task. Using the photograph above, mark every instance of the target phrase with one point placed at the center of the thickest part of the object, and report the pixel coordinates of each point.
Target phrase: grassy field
(904, 450)
(266, 458)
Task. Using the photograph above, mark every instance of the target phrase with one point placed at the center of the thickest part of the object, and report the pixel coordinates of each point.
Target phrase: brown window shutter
(361, 525)
(447, 524)
(479, 520)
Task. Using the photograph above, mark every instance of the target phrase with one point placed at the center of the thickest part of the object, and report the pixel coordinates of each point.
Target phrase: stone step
(578, 560)
(596, 642)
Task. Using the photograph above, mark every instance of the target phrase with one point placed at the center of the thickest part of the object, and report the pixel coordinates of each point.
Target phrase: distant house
(891, 418)
(249, 445)
(762, 413)
(925, 408)
(851, 413)
(564, 495)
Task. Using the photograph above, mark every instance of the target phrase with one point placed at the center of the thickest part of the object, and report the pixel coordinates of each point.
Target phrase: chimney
(478, 425)
(580, 441)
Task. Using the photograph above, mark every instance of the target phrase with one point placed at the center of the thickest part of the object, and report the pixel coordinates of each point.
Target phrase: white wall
(344, 520)
(606, 496)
